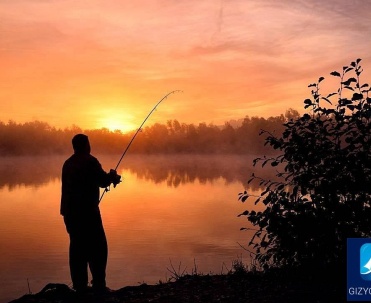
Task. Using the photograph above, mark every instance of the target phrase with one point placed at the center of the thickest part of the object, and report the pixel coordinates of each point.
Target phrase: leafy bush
(322, 194)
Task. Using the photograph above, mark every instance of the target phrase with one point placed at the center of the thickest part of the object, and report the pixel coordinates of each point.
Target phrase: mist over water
(35, 171)
(168, 209)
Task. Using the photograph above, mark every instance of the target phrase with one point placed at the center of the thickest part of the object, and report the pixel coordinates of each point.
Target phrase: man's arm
(106, 179)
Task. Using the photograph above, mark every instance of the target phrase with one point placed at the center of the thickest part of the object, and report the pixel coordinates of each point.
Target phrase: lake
(170, 213)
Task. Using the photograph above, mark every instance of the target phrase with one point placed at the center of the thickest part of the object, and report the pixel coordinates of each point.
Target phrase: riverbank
(274, 286)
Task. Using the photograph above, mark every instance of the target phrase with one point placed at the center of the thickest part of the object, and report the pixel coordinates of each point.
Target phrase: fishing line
(136, 133)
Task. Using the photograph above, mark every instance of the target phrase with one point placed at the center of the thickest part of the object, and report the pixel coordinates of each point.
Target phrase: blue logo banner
(359, 269)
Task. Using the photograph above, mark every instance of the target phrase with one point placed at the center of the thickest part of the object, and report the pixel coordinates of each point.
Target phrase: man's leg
(78, 264)
(78, 260)
(98, 252)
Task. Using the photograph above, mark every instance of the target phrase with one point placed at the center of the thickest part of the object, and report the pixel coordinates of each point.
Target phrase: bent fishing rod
(136, 133)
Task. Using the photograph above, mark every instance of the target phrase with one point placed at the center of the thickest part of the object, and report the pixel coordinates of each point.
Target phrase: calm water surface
(168, 210)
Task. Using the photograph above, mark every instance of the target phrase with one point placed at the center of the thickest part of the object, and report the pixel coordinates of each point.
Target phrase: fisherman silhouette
(82, 175)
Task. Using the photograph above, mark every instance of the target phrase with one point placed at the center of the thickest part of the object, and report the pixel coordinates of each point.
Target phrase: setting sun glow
(115, 122)
(64, 62)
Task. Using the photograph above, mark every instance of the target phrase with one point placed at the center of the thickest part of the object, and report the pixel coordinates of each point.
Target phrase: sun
(113, 123)
(117, 125)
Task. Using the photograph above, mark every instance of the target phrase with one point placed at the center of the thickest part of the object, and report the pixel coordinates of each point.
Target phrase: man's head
(81, 144)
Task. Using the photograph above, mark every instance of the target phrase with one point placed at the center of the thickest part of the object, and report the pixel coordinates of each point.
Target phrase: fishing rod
(136, 133)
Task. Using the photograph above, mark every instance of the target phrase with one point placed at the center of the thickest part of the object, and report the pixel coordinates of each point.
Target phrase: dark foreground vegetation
(323, 194)
(39, 138)
(235, 287)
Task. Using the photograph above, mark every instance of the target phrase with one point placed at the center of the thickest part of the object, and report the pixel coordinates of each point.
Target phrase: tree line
(40, 138)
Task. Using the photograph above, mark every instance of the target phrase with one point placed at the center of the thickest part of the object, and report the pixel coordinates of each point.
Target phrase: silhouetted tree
(322, 194)
(291, 114)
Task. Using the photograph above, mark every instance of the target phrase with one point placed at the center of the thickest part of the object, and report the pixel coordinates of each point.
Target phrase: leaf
(335, 73)
(357, 96)
(327, 100)
(358, 71)
(352, 79)
(349, 81)
(245, 213)
(312, 85)
(320, 79)
(330, 95)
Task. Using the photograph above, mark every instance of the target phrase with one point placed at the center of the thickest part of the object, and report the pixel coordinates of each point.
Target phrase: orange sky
(106, 63)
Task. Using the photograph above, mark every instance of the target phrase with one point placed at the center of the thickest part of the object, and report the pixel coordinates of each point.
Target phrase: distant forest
(234, 137)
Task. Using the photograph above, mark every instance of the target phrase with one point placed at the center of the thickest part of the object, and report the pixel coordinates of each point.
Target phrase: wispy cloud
(229, 56)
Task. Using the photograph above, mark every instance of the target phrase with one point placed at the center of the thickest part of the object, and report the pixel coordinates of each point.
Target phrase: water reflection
(173, 169)
(175, 208)
(29, 171)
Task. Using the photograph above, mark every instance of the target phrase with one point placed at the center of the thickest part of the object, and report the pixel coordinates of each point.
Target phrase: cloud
(25, 36)
(228, 56)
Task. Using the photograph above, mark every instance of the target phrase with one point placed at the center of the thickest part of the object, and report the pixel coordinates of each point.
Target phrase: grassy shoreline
(249, 286)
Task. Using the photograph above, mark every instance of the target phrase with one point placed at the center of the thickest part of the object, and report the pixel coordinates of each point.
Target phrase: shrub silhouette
(322, 194)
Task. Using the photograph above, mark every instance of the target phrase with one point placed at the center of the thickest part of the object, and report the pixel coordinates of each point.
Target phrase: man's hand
(115, 178)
